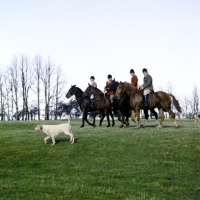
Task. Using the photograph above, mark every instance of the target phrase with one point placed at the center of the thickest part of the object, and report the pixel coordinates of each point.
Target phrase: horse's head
(71, 91)
(92, 90)
(120, 89)
(111, 86)
(88, 90)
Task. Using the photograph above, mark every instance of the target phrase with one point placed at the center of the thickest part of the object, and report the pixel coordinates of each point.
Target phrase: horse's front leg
(138, 118)
(113, 121)
(94, 117)
(108, 119)
(102, 118)
(120, 118)
(83, 119)
(162, 117)
(123, 120)
(127, 120)
(133, 114)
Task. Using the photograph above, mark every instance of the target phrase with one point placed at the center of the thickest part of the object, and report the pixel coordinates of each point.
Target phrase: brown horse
(160, 100)
(101, 105)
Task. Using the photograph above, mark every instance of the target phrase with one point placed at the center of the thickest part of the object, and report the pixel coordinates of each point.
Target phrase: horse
(102, 104)
(83, 102)
(121, 104)
(125, 99)
(160, 100)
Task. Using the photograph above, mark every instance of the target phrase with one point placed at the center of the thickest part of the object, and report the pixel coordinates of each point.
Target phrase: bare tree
(16, 84)
(47, 73)
(26, 83)
(195, 100)
(2, 104)
(59, 85)
(38, 72)
(13, 71)
(8, 97)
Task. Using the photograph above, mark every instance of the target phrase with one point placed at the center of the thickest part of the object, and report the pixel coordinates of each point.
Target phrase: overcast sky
(101, 37)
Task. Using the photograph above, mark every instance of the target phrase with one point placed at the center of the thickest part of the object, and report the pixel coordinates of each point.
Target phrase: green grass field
(103, 163)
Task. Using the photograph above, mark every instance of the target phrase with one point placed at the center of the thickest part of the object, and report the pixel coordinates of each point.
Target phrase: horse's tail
(175, 102)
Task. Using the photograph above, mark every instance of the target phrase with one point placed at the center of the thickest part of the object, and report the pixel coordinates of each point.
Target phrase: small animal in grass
(196, 118)
(54, 130)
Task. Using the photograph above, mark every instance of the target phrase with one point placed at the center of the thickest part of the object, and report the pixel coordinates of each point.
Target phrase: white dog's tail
(66, 117)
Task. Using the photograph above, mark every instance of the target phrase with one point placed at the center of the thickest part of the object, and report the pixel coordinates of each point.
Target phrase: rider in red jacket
(134, 78)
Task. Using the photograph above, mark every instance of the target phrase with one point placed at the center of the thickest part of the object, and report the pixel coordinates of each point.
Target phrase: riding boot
(146, 98)
(111, 106)
(92, 103)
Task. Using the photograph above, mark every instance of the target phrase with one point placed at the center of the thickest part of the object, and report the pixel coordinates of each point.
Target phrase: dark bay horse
(160, 100)
(83, 102)
(101, 104)
(125, 99)
(121, 104)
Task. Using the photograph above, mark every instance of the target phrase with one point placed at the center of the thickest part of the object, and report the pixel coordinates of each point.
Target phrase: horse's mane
(131, 86)
(96, 89)
(79, 89)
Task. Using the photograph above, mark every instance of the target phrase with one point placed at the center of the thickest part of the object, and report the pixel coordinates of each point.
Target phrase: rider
(134, 78)
(147, 87)
(110, 92)
(92, 83)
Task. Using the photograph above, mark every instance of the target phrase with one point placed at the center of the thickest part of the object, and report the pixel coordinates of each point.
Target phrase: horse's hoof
(124, 125)
(121, 126)
(108, 126)
(81, 126)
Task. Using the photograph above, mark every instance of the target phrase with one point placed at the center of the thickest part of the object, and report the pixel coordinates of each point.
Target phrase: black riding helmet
(92, 77)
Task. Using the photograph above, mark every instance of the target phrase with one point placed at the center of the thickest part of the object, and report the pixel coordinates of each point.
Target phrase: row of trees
(29, 87)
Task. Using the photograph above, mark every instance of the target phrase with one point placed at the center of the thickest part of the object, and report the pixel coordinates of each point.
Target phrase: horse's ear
(74, 85)
(114, 80)
(88, 84)
(120, 82)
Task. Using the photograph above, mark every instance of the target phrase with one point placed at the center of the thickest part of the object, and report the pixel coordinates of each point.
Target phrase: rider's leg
(146, 98)
(111, 100)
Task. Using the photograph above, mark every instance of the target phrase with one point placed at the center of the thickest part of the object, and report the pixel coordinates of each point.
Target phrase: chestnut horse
(124, 109)
(160, 100)
(101, 105)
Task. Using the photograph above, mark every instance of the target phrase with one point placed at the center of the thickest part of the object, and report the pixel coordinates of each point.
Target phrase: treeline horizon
(28, 86)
